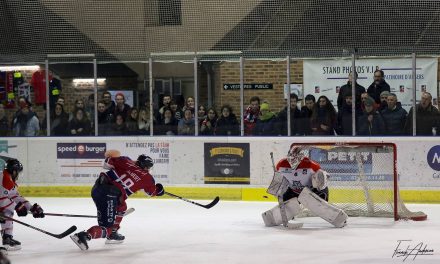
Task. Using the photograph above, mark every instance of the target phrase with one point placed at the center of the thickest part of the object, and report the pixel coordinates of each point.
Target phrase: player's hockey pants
(106, 197)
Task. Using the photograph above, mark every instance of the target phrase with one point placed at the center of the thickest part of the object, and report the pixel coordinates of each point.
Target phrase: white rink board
(184, 164)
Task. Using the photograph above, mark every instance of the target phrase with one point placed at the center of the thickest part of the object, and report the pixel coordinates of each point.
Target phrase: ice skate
(115, 238)
(81, 239)
(10, 244)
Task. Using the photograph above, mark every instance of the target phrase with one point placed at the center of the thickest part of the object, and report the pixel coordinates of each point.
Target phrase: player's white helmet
(295, 155)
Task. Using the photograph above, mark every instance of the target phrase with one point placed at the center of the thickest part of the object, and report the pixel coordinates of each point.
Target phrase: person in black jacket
(344, 125)
(394, 116)
(427, 118)
(370, 122)
(347, 88)
(227, 124)
(306, 114)
(378, 86)
(295, 118)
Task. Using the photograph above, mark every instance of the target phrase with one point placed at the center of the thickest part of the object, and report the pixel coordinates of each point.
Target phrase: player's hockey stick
(59, 236)
(211, 204)
(129, 211)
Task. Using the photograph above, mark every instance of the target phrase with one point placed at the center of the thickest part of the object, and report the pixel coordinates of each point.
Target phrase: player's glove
(21, 209)
(159, 190)
(37, 211)
(2, 220)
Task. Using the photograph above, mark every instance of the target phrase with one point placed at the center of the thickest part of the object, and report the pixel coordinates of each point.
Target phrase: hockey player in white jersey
(300, 182)
(10, 200)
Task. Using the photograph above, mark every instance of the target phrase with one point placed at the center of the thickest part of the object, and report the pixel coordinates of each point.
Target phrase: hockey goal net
(363, 178)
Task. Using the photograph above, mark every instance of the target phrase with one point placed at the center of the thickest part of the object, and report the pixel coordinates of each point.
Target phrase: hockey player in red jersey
(300, 182)
(110, 191)
(11, 199)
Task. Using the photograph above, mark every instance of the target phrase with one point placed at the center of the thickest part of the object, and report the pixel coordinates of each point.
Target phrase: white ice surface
(173, 231)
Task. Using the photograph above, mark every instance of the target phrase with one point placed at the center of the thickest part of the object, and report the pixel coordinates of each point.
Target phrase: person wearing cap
(383, 100)
(26, 123)
(378, 86)
(370, 123)
(266, 123)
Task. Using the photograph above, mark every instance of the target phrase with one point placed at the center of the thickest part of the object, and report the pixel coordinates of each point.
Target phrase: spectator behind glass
(60, 100)
(344, 125)
(89, 108)
(427, 118)
(383, 101)
(347, 88)
(306, 114)
(267, 122)
(251, 115)
(132, 122)
(227, 124)
(26, 124)
(79, 125)
(4, 122)
(121, 107)
(323, 118)
(166, 100)
(190, 104)
(378, 86)
(209, 124)
(109, 104)
(295, 118)
(79, 104)
(201, 114)
(59, 121)
(394, 116)
(105, 119)
(119, 128)
(186, 124)
(167, 125)
(144, 121)
(370, 122)
(178, 114)
(364, 96)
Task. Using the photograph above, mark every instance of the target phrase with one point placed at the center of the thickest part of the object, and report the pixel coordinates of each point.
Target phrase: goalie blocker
(311, 201)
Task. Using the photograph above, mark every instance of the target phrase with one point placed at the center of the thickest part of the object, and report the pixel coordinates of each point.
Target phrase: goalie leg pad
(323, 209)
(273, 216)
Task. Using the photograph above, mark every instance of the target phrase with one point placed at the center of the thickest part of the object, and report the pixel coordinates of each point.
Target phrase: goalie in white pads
(300, 182)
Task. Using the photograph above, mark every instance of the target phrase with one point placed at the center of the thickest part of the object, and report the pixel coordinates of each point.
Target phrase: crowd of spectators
(378, 113)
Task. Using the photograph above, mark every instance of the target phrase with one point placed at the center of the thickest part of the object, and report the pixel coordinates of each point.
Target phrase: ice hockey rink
(174, 231)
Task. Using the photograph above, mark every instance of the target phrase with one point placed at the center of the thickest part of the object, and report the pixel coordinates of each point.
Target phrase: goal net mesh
(363, 179)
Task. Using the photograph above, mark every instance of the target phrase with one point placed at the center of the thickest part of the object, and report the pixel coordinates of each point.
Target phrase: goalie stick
(129, 211)
(59, 236)
(211, 204)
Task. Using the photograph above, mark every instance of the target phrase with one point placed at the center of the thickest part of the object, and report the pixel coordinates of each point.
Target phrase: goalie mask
(294, 156)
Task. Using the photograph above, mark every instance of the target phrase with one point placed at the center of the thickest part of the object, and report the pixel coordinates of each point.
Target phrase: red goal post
(363, 178)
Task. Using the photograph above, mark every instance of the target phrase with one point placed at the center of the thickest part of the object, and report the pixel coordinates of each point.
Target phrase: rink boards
(235, 168)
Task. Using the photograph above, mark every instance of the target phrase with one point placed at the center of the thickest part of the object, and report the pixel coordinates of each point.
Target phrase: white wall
(185, 164)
